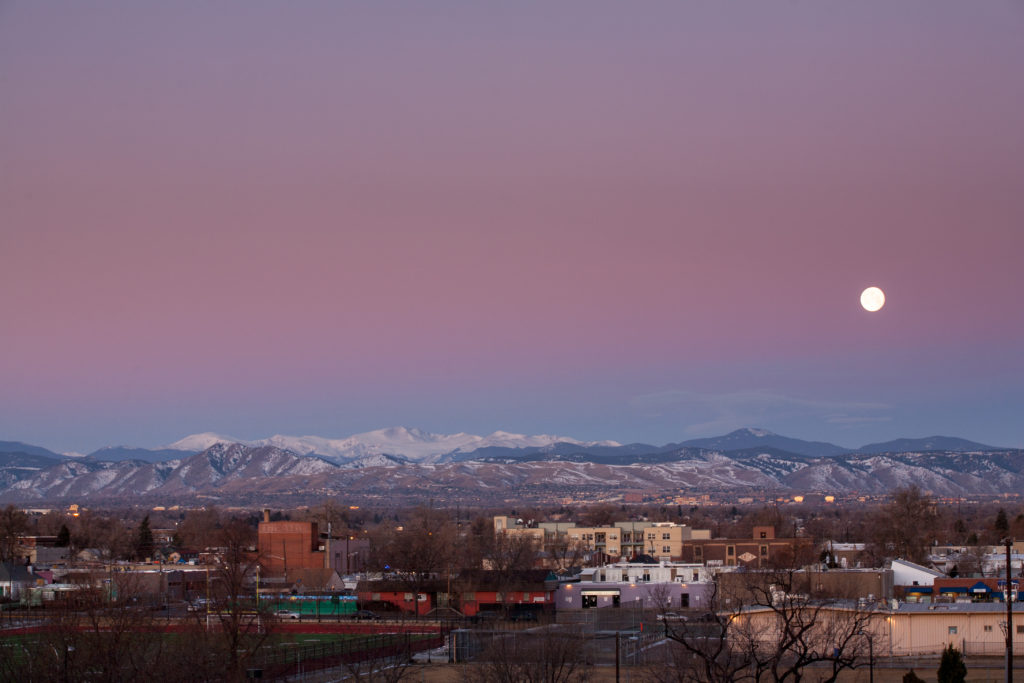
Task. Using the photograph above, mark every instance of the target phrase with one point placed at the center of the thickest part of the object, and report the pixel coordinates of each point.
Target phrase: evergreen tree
(951, 667)
(144, 540)
(63, 536)
(911, 677)
(1002, 525)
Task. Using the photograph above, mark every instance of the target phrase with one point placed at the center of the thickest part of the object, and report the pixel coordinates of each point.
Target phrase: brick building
(285, 546)
(762, 549)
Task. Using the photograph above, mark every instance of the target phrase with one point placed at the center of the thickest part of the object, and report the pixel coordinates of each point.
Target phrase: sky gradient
(609, 221)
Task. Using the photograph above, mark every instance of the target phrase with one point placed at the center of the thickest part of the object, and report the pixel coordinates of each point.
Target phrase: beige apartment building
(661, 540)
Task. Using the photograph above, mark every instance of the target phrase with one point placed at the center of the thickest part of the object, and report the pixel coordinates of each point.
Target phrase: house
(16, 580)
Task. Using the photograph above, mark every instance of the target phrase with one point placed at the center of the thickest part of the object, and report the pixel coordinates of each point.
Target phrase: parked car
(198, 605)
(523, 615)
(287, 614)
(365, 614)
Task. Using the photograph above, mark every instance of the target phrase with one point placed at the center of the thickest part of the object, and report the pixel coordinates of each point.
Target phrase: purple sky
(608, 220)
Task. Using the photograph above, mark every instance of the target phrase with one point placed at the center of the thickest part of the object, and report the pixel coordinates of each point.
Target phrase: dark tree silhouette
(951, 667)
(144, 540)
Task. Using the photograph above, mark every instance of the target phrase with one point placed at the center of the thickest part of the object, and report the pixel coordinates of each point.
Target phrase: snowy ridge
(409, 443)
(235, 471)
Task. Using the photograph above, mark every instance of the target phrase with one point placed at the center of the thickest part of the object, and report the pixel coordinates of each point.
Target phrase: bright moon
(872, 299)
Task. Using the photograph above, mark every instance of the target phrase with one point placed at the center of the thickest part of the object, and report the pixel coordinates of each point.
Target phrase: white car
(671, 616)
(287, 614)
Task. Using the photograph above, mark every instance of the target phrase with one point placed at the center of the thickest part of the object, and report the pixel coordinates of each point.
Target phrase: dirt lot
(989, 670)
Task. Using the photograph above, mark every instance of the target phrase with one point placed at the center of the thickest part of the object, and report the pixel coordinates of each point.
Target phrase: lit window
(952, 630)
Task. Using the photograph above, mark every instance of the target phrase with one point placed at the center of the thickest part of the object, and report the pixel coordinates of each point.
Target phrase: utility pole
(1009, 613)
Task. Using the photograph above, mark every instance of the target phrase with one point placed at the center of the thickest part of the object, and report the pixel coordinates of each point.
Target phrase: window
(650, 537)
(764, 551)
(988, 628)
(952, 630)
(666, 548)
(469, 597)
(1020, 629)
(696, 576)
(730, 550)
(666, 536)
(698, 551)
(764, 534)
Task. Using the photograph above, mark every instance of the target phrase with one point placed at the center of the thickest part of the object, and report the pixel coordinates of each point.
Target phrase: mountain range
(402, 463)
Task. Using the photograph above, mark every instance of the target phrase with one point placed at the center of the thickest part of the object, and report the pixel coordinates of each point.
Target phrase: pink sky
(608, 221)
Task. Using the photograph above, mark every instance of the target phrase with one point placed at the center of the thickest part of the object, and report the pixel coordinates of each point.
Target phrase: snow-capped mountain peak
(200, 442)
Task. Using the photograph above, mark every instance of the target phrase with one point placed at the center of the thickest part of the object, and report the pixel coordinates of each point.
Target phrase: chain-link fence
(281, 662)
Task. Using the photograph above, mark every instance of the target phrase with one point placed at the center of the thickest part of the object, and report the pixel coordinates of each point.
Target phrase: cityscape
(557, 342)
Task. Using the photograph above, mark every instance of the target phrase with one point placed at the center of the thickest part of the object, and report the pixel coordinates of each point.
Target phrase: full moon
(872, 299)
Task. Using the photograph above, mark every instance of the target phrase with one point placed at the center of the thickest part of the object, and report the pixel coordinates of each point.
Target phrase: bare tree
(565, 553)
(529, 657)
(92, 635)
(902, 527)
(199, 528)
(13, 524)
(419, 552)
(241, 629)
(107, 533)
(773, 632)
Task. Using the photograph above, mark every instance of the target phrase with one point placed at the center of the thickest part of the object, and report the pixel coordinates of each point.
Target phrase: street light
(871, 656)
